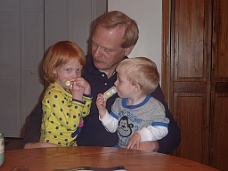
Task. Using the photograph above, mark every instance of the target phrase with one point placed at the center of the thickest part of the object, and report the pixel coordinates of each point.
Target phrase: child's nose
(77, 74)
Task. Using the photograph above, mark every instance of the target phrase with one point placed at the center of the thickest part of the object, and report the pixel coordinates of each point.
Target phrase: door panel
(32, 52)
(10, 72)
(189, 59)
(68, 20)
(220, 39)
(191, 119)
(190, 76)
(219, 149)
(219, 82)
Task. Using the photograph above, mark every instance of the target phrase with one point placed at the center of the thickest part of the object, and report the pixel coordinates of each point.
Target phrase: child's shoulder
(156, 102)
(53, 88)
(118, 100)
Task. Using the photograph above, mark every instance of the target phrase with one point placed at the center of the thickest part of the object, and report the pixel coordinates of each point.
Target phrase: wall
(148, 15)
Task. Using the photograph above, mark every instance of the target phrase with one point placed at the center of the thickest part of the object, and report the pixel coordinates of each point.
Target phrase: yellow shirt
(61, 115)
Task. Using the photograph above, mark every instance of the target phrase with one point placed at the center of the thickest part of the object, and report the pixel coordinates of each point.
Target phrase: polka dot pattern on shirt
(63, 115)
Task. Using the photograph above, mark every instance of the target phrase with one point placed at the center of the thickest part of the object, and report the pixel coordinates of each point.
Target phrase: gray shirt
(137, 118)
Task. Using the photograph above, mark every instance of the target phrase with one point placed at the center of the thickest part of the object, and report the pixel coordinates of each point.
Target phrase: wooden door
(195, 77)
(190, 76)
(219, 89)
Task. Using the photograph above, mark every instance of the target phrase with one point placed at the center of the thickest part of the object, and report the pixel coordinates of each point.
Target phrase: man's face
(106, 48)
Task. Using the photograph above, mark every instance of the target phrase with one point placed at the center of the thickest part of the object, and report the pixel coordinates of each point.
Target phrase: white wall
(148, 15)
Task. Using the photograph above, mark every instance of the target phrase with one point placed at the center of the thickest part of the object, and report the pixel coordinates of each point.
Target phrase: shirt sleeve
(87, 100)
(109, 122)
(159, 126)
(152, 133)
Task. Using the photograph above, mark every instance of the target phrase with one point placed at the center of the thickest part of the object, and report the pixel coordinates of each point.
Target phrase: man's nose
(97, 51)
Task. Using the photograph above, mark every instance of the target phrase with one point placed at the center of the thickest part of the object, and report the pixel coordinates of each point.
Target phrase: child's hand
(83, 83)
(101, 105)
(77, 91)
(134, 142)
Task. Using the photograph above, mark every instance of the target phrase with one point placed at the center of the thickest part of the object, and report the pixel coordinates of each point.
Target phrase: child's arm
(79, 87)
(101, 105)
(156, 131)
(150, 133)
(109, 122)
(83, 83)
(153, 133)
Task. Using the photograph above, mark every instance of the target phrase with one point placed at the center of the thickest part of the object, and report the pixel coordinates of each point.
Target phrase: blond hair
(114, 19)
(59, 54)
(142, 71)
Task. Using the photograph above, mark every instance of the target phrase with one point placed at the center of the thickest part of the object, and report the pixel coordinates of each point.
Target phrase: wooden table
(48, 159)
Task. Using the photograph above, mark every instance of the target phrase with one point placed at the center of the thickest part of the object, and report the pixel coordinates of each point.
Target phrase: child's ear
(54, 71)
(137, 88)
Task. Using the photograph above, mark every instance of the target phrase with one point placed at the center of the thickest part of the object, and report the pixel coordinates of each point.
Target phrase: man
(113, 39)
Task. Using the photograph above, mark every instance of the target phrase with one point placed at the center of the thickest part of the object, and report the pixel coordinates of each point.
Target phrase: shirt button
(105, 83)
(103, 75)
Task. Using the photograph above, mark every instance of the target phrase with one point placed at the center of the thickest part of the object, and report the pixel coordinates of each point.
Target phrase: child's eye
(79, 70)
(68, 70)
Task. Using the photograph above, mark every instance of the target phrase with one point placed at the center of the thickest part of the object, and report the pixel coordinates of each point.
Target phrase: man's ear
(128, 50)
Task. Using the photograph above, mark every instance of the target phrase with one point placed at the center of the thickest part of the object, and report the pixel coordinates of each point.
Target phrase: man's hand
(39, 145)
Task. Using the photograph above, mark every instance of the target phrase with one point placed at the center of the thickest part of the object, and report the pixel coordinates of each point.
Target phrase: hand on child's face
(77, 91)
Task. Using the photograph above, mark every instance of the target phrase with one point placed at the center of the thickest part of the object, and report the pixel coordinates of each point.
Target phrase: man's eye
(94, 44)
(107, 50)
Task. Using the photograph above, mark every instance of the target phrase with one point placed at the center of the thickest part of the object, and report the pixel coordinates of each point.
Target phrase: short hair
(114, 19)
(142, 71)
(59, 54)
